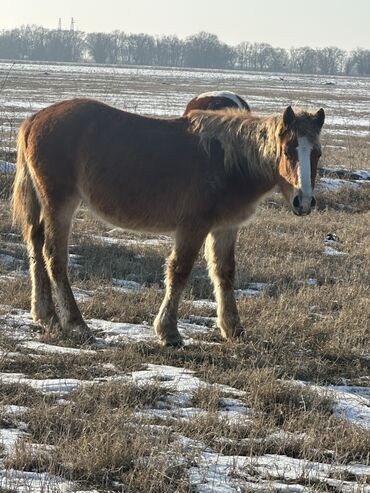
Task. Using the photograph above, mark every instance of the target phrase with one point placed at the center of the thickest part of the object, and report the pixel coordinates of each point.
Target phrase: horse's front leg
(187, 245)
(220, 255)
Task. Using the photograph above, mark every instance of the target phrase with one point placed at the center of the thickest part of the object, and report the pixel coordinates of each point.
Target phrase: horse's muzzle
(303, 206)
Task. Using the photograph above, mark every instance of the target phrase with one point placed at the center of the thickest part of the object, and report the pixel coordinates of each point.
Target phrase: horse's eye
(319, 154)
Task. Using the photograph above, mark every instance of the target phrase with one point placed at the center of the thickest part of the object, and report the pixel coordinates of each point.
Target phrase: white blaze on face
(304, 169)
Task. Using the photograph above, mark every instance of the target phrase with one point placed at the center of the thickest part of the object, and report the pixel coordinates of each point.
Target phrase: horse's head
(300, 152)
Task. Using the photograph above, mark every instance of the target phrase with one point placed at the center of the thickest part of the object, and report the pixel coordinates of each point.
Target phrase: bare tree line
(202, 50)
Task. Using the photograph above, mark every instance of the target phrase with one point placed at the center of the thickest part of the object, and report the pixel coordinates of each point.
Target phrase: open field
(286, 409)
(27, 87)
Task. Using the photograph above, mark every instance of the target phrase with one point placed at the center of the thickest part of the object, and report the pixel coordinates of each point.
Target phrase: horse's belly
(134, 215)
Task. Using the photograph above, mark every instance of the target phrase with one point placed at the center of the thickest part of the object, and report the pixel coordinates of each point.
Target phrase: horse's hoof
(84, 337)
(79, 334)
(232, 335)
(174, 342)
(49, 324)
(239, 333)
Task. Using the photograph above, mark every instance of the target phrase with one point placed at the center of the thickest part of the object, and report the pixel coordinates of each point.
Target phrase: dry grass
(96, 438)
(18, 394)
(59, 365)
(285, 419)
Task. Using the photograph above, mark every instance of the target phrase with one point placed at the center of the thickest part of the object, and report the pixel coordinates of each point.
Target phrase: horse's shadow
(104, 262)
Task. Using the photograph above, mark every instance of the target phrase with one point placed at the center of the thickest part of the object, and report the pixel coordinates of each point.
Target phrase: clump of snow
(252, 289)
(199, 320)
(161, 240)
(204, 304)
(17, 324)
(82, 295)
(59, 386)
(232, 474)
(7, 167)
(311, 281)
(176, 379)
(10, 260)
(125, 286)
(351, 403)
(362, 174)
(332, 184)
(332, 252)
(15, 410)
(9, 437)
(34, 482)
(50, 348)
(74, 261)
(119, 331)
(340, 172)
(14, 275)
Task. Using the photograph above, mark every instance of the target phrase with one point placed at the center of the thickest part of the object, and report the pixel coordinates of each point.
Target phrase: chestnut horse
(198, 176)
(216, 100)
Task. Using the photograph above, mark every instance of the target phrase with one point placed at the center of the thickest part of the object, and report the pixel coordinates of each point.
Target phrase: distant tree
(169, 51)
(330, 60)
(279, 60)
(102, 47)
(358, 62)
(65, 46)
(205, 50)
(304, 60)
(11, 44)
(142, 47)
(243, 55)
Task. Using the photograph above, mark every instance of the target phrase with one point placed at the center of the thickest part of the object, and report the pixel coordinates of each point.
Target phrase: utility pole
(60, 24)
(72, 24)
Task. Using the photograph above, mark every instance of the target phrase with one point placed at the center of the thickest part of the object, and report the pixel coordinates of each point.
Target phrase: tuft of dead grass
(98, 438)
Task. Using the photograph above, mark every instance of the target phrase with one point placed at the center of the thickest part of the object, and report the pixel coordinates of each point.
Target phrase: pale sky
(282, 23)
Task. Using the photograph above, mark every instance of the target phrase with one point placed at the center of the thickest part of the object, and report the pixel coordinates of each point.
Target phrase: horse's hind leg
(220, 255)
(57, 229)
(42, 305)
(187, 245)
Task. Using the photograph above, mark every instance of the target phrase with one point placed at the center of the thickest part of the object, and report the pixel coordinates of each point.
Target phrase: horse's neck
(263, 150)
(267, 135)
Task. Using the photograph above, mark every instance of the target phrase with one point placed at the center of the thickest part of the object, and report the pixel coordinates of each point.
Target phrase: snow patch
(9, 437)
(351, 403)
(125, 286)
(6, 167)
(48, 386)
(161, 240)
(176, 379)
(332, 252)
(10, 260)
(33, 482)
(50, 348)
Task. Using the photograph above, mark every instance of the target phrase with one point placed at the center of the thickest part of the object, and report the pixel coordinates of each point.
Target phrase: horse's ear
(288, 116)
(320, 118)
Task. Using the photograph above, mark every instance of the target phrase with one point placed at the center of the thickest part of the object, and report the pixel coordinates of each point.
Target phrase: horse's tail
(25, 203)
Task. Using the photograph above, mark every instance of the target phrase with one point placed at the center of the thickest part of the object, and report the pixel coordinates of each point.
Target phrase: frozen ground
(210, 472)
(213, 472)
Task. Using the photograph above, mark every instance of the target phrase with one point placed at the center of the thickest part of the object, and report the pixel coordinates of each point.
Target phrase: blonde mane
(250, 143)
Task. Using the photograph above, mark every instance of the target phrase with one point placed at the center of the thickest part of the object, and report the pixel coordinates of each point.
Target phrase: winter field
(286, 409)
